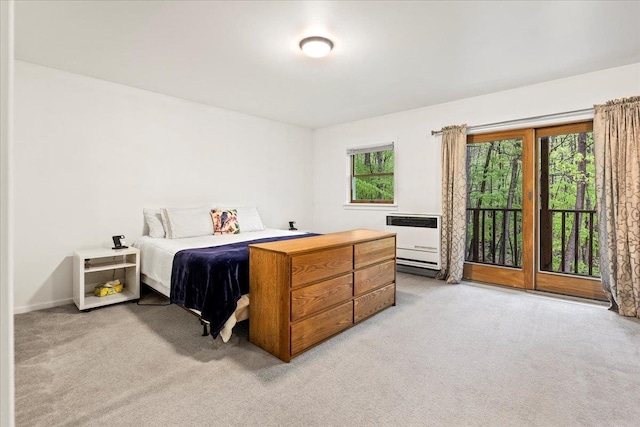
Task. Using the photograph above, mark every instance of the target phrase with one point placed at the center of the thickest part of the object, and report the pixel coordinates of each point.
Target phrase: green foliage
(373, 176)
(490, 167)
(494, 185)
(564, 176)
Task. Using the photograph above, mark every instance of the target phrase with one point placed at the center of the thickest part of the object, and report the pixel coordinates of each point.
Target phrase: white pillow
(249, 219)
(154, 222)
(187, 222)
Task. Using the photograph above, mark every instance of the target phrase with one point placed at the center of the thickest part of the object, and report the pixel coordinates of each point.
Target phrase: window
(371, 173)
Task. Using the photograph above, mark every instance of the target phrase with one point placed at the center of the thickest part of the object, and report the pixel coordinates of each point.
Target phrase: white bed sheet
(156, 261)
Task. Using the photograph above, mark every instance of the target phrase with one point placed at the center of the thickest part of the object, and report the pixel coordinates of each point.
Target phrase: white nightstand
(92, 267)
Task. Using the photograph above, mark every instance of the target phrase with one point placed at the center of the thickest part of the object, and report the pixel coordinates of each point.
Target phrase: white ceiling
(388, 56)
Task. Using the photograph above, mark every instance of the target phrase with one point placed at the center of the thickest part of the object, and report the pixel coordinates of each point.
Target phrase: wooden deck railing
(494, 236)
(574, 250)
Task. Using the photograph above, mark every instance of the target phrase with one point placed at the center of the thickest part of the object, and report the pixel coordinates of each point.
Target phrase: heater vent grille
(417, 239)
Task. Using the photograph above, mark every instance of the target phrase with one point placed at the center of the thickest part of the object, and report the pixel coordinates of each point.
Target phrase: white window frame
(349, 180)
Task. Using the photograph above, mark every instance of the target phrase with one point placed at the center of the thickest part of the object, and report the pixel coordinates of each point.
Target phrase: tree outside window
(372, 174)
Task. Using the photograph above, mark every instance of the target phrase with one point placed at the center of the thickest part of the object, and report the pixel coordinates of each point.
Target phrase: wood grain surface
(315, 329)
(373, 302)
(374, 277)
(320, 265)
(302, 290)
(311, 299)
(374, 251)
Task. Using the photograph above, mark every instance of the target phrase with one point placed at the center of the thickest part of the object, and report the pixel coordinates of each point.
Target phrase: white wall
(418, 171)
(89, 155)
(6, 233)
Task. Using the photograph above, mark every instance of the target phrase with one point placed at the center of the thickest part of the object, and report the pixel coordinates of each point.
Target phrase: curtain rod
(567, 114)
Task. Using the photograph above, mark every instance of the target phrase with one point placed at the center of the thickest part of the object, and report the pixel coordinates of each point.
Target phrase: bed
(157, 264)
(158, 261)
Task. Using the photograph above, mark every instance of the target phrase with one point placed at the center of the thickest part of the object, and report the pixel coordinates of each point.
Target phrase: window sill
(371, 206)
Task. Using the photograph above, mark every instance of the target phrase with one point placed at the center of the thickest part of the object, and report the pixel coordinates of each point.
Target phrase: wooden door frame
(530, 276)
(560, 282)
(508, 276)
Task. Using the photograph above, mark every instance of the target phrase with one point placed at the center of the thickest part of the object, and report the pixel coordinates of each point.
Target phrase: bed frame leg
(204, 328)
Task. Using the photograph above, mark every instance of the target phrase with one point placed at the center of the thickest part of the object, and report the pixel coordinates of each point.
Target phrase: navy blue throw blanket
(213, 279)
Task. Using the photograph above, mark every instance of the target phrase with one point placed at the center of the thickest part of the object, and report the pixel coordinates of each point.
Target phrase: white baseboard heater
(417, 239)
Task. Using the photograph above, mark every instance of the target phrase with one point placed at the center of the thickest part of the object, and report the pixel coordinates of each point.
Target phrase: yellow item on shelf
(109, 288)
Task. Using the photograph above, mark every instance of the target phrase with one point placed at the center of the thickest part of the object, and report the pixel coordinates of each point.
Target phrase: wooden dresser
(306, 290)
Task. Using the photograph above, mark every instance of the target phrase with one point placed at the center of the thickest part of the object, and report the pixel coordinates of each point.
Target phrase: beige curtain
(454, 202)
(616, 130)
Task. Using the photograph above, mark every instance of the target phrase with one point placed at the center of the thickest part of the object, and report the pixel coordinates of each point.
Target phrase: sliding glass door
(547, 242)
(567, 229)
(499, 208)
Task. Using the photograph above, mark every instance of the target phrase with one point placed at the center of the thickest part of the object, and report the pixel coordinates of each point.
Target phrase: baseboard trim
(419, 271)
(42, 306)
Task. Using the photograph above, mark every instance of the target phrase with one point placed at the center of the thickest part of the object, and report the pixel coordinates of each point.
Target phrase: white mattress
(156, 262)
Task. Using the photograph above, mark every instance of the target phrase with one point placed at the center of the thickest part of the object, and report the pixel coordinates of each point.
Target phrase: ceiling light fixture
(316, 47)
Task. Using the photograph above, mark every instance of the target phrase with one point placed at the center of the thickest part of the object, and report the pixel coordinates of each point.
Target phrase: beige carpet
(445, 355)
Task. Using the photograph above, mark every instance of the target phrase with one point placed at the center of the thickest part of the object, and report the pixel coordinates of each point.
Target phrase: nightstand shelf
(92, 267)
(108, 266)
(92, 301)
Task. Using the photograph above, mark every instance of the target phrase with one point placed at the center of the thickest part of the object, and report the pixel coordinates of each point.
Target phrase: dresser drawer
(373, 302)
(310, 299)
(310, 331)
(373, 277)
(320, 265)
(372, 252)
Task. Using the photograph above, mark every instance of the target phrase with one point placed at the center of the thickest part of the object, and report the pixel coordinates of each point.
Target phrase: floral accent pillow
(225, 221)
